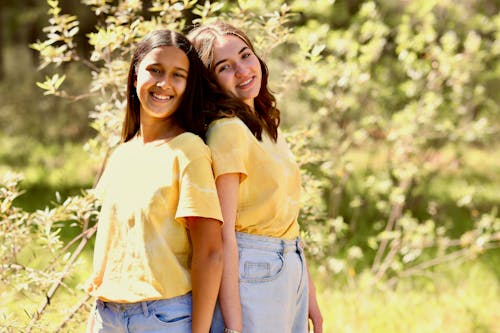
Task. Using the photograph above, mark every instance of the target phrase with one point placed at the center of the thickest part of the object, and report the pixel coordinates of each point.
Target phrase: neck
(159, 130)
(251, 104)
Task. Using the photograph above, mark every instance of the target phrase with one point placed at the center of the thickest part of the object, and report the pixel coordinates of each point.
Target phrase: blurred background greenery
(42, 136)
(391, 106)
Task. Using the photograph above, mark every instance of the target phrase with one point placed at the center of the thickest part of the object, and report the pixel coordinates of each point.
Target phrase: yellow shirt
(142, 249)
(269, 191)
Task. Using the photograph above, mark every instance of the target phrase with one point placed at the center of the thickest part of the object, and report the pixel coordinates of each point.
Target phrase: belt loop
(99, 303)
(299, 244)
(145, 308)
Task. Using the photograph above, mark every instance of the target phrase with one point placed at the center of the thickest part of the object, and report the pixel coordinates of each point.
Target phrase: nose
(240, 70)
(163, 82)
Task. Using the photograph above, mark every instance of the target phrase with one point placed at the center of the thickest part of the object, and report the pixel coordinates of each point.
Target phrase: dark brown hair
(268, 115)
(190, 114)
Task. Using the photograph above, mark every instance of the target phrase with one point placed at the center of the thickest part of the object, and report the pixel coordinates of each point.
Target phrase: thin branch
(434, 262)
(101, 169)
(76, 98)
(420, 269)
(18, 267)
(73, 312)
(50, 294)
(396, 213)
(90, 65)
(395, 247)
(84, 233)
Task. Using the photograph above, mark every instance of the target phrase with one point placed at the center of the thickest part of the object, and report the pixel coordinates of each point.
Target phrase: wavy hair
(268, 116)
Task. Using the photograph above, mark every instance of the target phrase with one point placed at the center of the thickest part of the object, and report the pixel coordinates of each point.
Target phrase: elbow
(213, 255)
(213, 260)
(216, 256)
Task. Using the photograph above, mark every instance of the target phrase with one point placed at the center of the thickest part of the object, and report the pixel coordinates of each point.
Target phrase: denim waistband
(266, 243)
(140, 307)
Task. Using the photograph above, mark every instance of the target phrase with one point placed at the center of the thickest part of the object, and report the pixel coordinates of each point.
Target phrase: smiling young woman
(266, 286)
(158, 251)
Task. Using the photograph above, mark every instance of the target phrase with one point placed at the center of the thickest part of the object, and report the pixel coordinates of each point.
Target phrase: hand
(314, 312)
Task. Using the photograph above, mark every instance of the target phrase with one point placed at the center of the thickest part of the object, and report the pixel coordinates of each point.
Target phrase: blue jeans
(273, 286)
(168, 315)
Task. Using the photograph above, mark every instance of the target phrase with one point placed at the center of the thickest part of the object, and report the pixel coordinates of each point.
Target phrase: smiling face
(236, 68)
(161, 81)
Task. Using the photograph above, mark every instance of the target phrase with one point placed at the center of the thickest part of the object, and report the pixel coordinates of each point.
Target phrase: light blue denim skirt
(273, 286)
(167, 315)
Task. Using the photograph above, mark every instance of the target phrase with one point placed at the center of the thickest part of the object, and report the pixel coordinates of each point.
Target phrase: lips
(246, 83)
(161, 97)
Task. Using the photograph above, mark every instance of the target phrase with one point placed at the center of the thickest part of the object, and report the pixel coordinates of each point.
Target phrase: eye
(223, 68)
(180, 75)
(246, 55)
(154, 70)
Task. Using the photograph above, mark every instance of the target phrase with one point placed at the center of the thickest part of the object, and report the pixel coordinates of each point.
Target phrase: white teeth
(162, 97)
(246, 82)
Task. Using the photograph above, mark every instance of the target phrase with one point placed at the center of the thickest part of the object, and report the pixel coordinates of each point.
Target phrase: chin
(249, 96)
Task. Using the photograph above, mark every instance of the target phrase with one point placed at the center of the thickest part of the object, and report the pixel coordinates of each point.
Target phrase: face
(161, 81)
(237, 69)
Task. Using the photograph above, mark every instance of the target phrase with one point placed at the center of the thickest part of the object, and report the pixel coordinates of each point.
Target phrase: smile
(246, 83)
(161, 97)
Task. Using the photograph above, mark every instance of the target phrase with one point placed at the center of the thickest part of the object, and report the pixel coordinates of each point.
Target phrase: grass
(459, 298)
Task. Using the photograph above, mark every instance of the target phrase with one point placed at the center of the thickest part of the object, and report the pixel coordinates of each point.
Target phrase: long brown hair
(268, 115)
(190, 114)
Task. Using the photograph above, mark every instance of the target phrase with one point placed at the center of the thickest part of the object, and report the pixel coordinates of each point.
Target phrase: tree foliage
(412, 92)
(408, 86)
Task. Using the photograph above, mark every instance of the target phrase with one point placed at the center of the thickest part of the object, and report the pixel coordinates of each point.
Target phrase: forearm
(206, 271)
(314, 311)
(311, 286)
(229, 295)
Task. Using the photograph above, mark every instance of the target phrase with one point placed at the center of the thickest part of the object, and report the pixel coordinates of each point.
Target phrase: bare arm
(229, 296)
(206, 269)
(314, 311)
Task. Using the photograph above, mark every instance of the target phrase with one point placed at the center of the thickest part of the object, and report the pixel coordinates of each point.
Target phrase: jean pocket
(260, 266)
(172, 319)
(174, 313)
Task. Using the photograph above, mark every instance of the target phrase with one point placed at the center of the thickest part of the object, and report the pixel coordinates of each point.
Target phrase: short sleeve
(103, 183)
(228, 141)
(197, 191)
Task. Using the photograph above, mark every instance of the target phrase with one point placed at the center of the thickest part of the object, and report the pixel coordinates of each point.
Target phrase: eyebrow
(183, 69)
(178, 68)
(223, 60)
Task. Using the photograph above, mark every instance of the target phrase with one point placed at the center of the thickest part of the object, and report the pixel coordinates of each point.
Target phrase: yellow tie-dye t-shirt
(269, 191)
(142, 249)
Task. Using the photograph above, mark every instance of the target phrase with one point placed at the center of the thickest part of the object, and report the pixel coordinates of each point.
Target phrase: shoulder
(122, 149)
(189, 139)
(190, 146)
(227, 122)
(232, 125)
